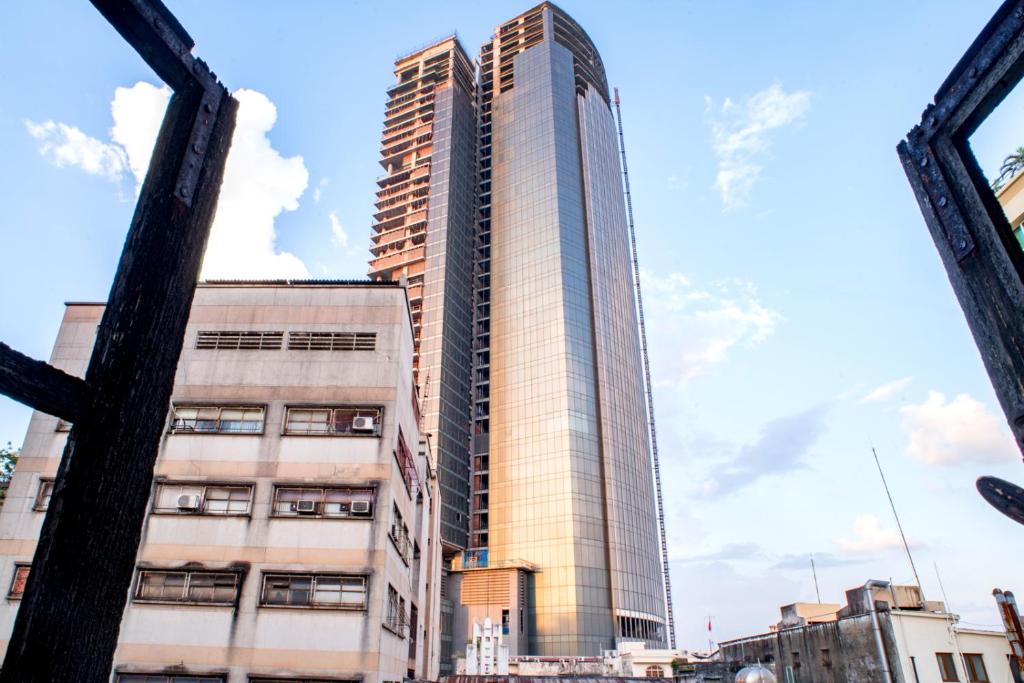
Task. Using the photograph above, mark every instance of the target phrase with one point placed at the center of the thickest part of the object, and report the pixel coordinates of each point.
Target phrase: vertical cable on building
(647, 384)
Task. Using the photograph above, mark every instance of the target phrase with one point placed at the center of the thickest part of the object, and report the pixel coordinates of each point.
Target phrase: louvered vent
(233, 340)
(332, 341)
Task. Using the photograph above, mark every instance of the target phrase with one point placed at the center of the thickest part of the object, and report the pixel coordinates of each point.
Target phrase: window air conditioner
(305, 507)
(188, 502)
(360, 507)
(363, 424)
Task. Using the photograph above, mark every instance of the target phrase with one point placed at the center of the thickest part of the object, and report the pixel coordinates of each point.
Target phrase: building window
(332, 341)
(168, 678)
(217, 420)
(202, 499)
(332, 591)
(305, 501)
(395, 620)
(505, 622)
(232, 340)
(203, 588)
(334, 421)
(399, 533)
(18, 581)
(975, 668)
(654, 671)
(947, 667)
(44, 494)
(826, 657)
(263, 679)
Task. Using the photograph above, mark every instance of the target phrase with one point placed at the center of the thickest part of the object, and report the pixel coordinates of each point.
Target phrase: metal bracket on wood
(70, 615)
(983, 260)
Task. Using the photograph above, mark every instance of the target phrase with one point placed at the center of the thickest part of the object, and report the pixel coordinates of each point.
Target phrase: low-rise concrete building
(885, 634)
(294, 530)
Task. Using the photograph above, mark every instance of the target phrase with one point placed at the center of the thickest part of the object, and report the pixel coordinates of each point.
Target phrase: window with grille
(332, 341)
(399, 533)
(217, 420)
(654, 671)
(314, 502)
(229, 340)
(18, 581)
(207, 588)
(333, 591)
(165, 678)
(44, 494)
(395, 619)
(187, 498)
(333, 421)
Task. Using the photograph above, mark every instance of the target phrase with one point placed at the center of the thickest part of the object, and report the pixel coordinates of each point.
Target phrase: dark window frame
(314, 576)
(179, 429)
(221, 340)
(972, 660)
(123, 676)
(318, 340)
(137, 597)
(947, 666)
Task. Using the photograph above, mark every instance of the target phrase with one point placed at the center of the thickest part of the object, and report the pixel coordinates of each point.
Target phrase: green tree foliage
(8, 459)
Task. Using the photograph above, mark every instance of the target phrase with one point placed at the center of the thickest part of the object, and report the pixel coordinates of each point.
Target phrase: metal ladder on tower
(647, 384)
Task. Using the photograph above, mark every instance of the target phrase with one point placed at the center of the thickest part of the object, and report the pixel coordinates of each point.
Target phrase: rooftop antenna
(647, 386)
(952, 622)
(906, 546)
(814, 571)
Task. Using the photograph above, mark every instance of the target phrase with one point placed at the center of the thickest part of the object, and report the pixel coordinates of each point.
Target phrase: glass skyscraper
(559, 459)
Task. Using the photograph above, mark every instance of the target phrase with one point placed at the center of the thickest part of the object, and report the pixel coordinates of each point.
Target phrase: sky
(798, 311)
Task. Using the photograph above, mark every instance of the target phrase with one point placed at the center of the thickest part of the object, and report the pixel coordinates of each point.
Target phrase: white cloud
(740, 137)
(886, 390)
(64, 145)
(338, 234)
(869, 536)
(259, 184)
(962, 430)
(693, 329)
(324, 182)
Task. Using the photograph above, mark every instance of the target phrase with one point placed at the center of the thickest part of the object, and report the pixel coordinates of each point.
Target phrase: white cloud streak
(962, 430)
(740, 137)
(338, 234)
(693, 329)
(259, 183)
(869, 536)
(887, 390)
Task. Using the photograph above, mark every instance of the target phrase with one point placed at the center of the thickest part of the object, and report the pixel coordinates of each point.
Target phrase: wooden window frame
(943, 659)
(979, 251)
(189, 575)
(314, 577)
(321, 501)
(204, 487)
(971, 662)
(220, 408)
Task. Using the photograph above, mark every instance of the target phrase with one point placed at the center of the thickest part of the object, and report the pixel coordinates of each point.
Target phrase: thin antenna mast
(814, 571)
(899, 526)
(647, 385)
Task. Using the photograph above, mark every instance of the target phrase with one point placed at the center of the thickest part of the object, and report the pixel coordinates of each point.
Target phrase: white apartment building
(293, 534)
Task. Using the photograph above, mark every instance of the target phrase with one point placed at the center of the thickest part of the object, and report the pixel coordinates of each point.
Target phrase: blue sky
(799, 312)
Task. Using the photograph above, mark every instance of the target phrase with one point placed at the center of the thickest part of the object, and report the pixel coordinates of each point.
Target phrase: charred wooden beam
(42, 386)
(983, 260)
(70, 616)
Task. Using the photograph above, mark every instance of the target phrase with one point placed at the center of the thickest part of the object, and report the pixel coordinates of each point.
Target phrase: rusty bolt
(182, 191)
(942, 201)
(973, 72)
(932, 121)
(208, 108)
(197, 149)
(961, 242)
(924, 161)
(196, 69)
(157, 23)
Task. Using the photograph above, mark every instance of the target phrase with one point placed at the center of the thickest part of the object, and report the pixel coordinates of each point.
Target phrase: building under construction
(503, 207)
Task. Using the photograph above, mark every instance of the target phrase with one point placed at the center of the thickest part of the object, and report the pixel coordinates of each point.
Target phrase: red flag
(709, 624)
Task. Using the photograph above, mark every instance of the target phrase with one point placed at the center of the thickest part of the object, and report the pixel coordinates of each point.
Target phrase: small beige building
(293, 532)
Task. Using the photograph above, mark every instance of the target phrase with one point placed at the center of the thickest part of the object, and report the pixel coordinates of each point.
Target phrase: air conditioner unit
(188, 502)
(305, 507)
(360, 507)
(363, 424)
